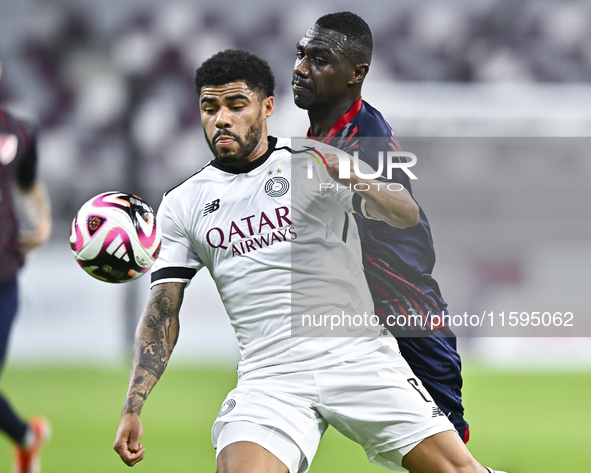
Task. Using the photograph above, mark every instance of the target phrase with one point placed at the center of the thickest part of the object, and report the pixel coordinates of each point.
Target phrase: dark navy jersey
(18, 162)
(405, 256)
(398, 265)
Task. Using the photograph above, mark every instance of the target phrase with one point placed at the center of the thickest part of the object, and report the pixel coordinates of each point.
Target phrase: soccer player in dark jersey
(18, 162)
(333, 59)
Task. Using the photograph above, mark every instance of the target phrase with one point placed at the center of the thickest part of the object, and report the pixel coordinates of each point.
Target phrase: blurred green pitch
(521, 422)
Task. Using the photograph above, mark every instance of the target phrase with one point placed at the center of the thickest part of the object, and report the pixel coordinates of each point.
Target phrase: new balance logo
(211, 207)
(437, 412)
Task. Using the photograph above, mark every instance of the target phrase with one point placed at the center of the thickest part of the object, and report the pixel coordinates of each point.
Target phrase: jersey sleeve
(177, 261)
(370, 149)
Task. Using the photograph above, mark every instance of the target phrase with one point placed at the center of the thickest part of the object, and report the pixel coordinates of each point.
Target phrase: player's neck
(260, 150)
(323, 119)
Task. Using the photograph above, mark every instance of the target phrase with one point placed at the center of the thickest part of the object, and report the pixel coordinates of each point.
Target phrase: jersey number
(416, 386)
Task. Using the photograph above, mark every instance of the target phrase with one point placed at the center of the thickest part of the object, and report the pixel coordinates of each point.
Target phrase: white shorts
(375, 400)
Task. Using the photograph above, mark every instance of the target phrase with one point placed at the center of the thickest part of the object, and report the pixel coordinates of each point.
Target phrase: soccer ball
(115, 237)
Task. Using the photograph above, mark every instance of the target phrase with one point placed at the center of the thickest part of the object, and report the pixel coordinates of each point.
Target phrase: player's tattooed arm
(155, 338)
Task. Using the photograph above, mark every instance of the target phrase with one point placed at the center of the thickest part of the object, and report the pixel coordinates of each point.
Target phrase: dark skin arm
(155, 338)
(397, 207)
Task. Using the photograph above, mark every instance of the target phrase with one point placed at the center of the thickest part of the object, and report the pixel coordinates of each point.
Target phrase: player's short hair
(357, 31)
(236, 65)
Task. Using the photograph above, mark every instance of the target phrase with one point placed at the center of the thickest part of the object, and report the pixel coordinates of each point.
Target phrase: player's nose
(223, 118)
(301, 68)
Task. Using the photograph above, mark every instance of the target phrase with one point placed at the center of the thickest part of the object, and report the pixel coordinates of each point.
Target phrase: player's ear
(268, 106)
(359, 73)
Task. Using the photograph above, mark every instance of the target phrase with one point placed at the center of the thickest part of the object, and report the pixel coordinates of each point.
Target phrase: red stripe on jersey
(408, 290)
(396, 305)
(394, 143)
(341, 122)
(355, 130)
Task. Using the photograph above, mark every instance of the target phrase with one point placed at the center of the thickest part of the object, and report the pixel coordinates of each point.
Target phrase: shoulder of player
(205, 173)
(304, 146)
(184, 202)
(282, 144)
(372, 123)
(189, 193)
(289, 148)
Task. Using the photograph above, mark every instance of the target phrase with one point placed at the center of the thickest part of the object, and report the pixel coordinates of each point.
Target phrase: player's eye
(320, 61)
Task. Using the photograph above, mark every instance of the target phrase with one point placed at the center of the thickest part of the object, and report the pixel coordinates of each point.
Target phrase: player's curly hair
(235, 65)
(357, 31)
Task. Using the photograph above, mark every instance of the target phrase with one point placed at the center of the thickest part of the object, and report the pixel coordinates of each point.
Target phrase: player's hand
(127, 441)
(29, 241)
(333, 165)
(37, 211)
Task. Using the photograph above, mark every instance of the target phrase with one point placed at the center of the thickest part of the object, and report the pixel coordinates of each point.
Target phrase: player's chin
(228, 151)
(231, 158)
(300, 102)
(302, 98)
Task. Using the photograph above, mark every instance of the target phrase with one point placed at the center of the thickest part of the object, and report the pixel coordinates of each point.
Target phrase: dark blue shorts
(8, 306)
(436, 362)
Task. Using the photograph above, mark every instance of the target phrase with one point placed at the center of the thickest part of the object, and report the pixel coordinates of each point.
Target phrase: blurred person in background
(333, 60)
(18, 166)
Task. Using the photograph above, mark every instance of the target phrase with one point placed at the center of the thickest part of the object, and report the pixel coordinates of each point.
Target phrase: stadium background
(495, 94)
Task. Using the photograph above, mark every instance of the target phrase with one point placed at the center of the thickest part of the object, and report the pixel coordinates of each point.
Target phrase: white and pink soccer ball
(115, 237)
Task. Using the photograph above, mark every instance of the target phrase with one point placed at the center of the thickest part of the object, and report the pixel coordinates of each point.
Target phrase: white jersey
(277, 249)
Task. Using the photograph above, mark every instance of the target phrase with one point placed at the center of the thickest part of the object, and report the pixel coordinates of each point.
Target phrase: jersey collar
(250, 166)
(341, 122)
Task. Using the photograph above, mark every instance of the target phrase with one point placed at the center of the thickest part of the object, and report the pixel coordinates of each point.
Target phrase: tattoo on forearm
(156, 349)
(137, 395)
(156, 339)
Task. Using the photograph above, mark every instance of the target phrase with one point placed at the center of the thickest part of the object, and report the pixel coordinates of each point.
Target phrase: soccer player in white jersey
(279, 250)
